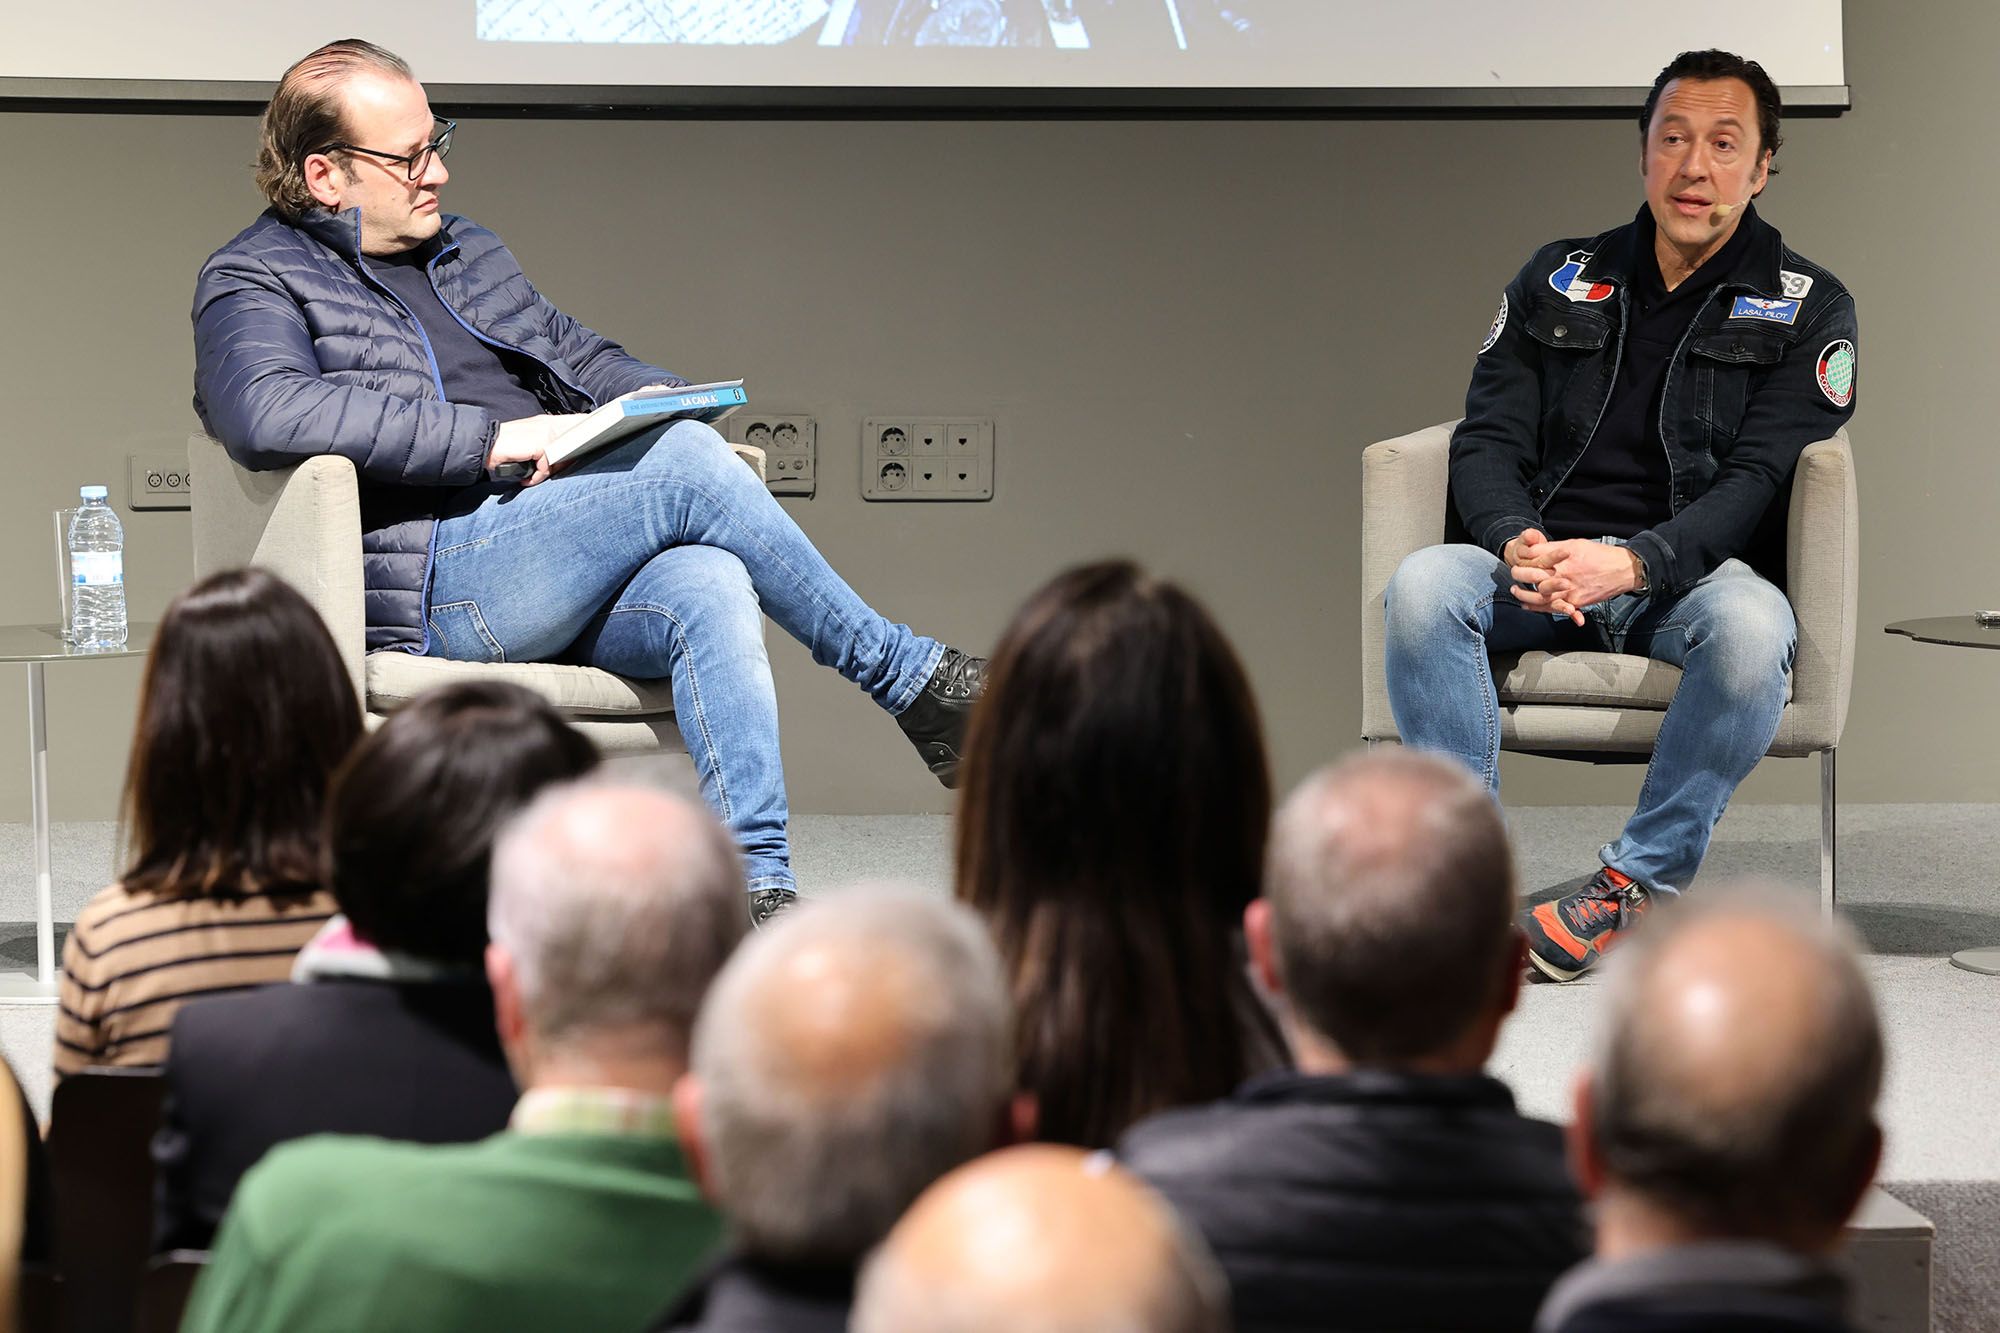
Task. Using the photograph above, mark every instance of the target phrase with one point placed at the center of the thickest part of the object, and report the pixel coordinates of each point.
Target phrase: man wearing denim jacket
(356, 318)
(1620, 482)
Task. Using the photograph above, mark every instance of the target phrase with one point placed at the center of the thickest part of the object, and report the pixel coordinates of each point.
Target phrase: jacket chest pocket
(1570, 339)
(1723, 368)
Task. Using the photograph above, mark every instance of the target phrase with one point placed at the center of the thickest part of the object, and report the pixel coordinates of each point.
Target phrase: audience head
(1111, 832)
(843, 1062)
(612, 910)
(1387, 921)
(1733, 1091)
(245, 710)
(308, 112)
(412, 813)
(1041, 1240)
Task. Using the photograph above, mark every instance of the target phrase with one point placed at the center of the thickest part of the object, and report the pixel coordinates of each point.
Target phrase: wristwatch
(1645, 584)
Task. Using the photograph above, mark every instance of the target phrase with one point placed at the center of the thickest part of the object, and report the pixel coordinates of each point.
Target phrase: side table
(1957, 632)
(37, 646)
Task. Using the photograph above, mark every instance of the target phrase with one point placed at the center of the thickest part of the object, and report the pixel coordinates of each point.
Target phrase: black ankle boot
(935, 720)
(767, 903)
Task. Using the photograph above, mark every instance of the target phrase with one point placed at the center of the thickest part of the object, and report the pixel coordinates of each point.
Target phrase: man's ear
(1020, 1118)
(508, 1019)
(1263, 950)
(1586, 1164)
(1511, 974)
(1763, 173)
(694, 1144)
(324, 180)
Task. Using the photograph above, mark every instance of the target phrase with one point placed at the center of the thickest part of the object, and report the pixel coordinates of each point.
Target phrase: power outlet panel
(790, 444)
(158, 481)
(927, 458)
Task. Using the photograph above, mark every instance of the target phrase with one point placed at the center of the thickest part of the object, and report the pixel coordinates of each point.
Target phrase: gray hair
(1768, 1135)
(1392, 896)
(618, 906)
(847, 1059)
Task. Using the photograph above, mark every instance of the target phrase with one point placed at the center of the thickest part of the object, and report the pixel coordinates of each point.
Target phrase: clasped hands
(1563, 578)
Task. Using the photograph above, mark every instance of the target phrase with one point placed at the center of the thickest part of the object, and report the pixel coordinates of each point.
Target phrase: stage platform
(1918, 882)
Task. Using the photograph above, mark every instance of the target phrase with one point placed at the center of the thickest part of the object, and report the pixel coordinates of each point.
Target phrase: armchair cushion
(1579, 702)
(394, 679)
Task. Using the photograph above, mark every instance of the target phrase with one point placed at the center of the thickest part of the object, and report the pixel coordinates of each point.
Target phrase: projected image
(1065, 24)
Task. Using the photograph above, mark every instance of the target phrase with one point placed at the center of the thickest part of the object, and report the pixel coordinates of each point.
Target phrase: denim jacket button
(1562, 330)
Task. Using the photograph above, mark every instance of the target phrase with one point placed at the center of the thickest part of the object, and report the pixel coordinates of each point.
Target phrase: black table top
(1956, 631)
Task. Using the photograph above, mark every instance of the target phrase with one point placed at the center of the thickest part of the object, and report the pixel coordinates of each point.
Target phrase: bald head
(1041, 1240)
(614, 908)
(1391, 891)
(1741, 1058)
(847, 1058)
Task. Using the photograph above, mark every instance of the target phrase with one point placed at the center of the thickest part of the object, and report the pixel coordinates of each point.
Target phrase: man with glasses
(354, 318)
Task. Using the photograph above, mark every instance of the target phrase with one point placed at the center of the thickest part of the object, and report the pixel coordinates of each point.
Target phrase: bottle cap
(94, 493)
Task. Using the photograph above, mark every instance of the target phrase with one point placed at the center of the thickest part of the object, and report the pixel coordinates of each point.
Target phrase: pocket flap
(1739, 347)
(1567, 328)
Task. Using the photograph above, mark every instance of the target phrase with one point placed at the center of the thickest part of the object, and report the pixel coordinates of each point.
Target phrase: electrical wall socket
(927, 458)
(790, 446)
(158, 481)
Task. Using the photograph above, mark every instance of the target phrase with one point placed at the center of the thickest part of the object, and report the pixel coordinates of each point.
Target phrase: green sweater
(519, 1231)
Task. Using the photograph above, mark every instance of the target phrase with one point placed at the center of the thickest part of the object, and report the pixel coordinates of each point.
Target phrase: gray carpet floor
(1917, 881)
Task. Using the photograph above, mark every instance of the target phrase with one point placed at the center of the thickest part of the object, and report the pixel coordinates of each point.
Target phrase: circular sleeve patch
(1499, 324)
(1836, 372)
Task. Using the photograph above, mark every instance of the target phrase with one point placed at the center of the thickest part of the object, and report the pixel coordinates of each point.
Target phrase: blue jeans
(658, 558)
(1732, 635)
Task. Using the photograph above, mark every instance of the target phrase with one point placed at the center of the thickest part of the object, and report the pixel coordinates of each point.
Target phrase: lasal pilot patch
(1758, 307)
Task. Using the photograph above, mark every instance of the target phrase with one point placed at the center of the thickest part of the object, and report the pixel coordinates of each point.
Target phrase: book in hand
(630, 413)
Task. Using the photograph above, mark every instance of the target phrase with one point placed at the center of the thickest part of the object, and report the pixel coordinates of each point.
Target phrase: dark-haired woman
(389, 1029)
(245, 710)
(1116, 799)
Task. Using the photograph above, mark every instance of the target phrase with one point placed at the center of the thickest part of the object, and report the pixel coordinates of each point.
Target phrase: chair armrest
(1823, 578)
(1402, 511)
(753, 456)
(302, 523)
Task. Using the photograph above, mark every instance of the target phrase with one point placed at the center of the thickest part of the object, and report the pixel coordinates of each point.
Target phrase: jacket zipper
(430, 275)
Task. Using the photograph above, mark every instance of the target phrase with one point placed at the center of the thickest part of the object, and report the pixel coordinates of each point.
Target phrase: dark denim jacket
(1766, 368)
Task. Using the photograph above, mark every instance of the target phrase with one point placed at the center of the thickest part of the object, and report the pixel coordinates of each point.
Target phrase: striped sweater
(133, 959)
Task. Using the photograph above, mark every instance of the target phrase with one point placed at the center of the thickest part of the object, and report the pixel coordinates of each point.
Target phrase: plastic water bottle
(97, 569)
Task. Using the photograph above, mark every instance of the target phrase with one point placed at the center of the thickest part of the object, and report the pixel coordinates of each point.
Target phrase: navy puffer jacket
(300, 351)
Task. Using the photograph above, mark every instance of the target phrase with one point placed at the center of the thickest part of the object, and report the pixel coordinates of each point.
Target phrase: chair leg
(1827, 833)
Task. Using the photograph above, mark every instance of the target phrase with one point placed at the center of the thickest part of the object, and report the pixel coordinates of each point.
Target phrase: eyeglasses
(418, 162)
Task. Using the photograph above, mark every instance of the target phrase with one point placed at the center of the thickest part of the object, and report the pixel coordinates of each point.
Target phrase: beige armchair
(303, 523)
(1607, 707)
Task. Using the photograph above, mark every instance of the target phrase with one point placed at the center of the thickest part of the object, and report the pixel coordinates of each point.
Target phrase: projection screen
(1162, 55)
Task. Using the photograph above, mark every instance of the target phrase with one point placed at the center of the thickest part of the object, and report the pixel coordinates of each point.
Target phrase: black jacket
(1766, 368)
(1726, 1286)
(1370, 1201)
(414, 1061)
(740, 1295)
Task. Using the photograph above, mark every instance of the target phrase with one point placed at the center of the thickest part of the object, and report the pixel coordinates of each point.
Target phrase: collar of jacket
(341, 233)
(1616, 255)
(1376, 1087)
(1689, 1272)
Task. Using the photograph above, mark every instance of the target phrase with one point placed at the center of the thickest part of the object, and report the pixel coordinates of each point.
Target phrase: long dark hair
(1112, 825)
(413, 812)
(245, 709)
